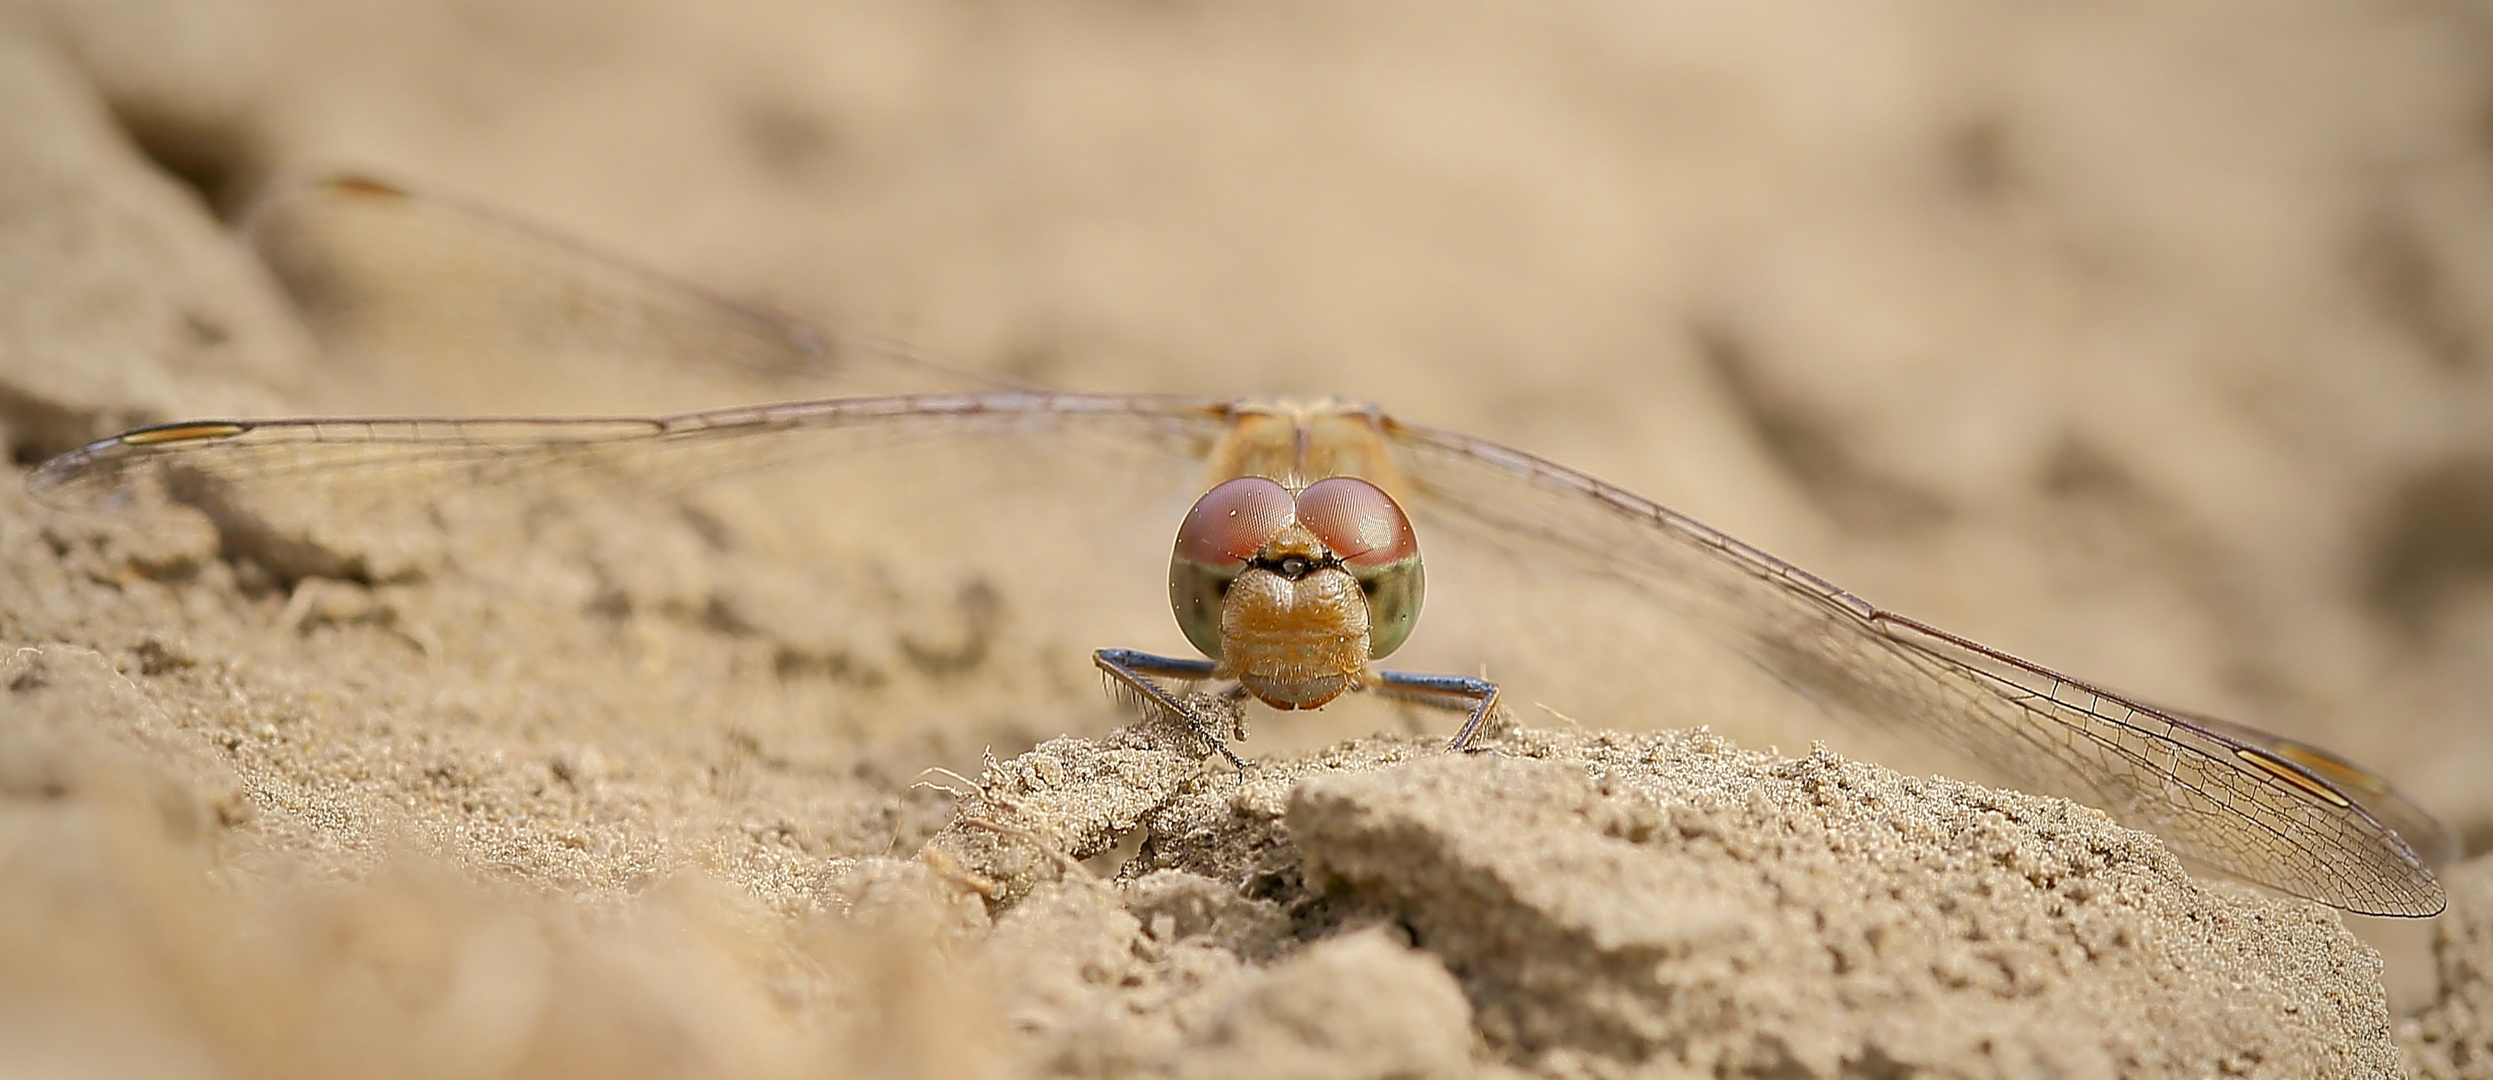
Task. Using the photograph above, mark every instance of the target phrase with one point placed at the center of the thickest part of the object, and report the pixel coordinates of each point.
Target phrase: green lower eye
(1195, 593)
(1394, 593)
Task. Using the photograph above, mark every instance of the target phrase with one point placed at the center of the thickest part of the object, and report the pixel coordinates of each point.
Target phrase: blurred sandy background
(2152, 341)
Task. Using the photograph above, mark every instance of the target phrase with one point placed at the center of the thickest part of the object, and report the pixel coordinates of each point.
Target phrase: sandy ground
(2150, 341)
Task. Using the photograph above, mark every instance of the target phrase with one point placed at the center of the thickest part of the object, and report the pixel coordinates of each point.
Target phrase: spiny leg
(1445, 692)
(1132, 673)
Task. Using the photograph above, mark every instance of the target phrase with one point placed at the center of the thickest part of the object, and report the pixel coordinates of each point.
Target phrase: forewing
(2429, 837)
(447, 307)
(1038, 525)
(1582, 592)
(894, 493)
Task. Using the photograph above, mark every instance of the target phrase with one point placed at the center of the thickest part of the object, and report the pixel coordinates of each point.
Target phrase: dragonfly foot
(1214, 716)
(1208, 716)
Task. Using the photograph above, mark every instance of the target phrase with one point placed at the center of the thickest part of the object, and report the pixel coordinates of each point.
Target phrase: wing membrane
(500, 317)
(402, 465)
(2248, 803)
(893, 544)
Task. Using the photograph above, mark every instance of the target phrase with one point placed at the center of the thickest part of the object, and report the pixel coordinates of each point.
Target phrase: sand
(2149, 343)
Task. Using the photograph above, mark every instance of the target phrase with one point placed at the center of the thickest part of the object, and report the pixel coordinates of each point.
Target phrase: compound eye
(1223, 531)
(1362, 526)
(1231, 521)
(1358, 522)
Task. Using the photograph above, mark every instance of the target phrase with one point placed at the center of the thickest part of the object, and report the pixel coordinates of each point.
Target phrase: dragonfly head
(1288, 587)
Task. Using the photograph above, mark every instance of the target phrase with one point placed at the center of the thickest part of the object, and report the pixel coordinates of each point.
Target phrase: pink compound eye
(1358, 522)
(1220, 536)
(1232, 520)
(1360, 525)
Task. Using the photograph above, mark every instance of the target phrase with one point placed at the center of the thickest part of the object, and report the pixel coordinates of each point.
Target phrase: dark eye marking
(1295, 567)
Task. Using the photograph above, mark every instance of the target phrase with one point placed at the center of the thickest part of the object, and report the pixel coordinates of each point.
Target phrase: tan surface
(2149, 344)
(2447, 1038)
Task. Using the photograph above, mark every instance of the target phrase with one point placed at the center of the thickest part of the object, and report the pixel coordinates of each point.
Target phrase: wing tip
(70, 481)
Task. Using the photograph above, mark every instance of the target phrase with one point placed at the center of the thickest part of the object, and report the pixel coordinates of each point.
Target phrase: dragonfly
(1302, 533)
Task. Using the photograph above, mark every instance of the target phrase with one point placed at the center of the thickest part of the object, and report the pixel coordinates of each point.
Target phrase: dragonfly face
(1293, 593)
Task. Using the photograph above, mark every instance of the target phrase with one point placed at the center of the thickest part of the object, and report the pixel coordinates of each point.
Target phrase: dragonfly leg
(1133, 673)
(1478, 696)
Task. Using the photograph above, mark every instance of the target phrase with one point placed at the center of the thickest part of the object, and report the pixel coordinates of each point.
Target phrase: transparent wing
(885, 469)
(2251, 804)
(406, 460)
(875, 546)
(961, 554)
(500, 317)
